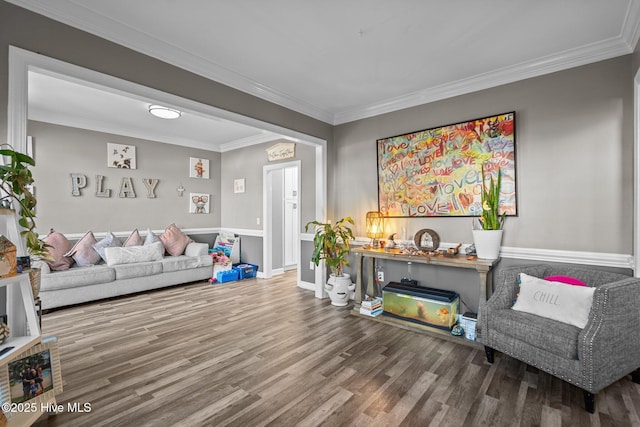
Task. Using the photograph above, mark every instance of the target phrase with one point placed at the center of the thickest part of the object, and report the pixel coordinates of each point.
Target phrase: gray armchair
(606, 350)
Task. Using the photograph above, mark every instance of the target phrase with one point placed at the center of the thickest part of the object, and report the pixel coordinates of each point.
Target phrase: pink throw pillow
(174, 240)
(59, 246)
(83, 253)
(134, 239)
(566, 279)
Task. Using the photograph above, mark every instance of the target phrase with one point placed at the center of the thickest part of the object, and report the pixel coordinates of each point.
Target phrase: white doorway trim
(22, 61)
(267, 213)
(636, 175)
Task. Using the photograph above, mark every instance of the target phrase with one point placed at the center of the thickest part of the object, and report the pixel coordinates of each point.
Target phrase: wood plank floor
(266, 353)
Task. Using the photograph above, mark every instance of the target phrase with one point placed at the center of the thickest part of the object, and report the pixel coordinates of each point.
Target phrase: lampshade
(164, 112)
(375, 225)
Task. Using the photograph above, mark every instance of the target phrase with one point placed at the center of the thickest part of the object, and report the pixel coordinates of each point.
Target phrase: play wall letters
(126, 190)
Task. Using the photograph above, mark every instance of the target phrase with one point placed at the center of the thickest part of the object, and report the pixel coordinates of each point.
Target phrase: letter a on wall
(126, 188)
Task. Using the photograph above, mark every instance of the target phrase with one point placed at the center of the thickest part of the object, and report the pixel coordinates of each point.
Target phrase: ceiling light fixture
(164, 112)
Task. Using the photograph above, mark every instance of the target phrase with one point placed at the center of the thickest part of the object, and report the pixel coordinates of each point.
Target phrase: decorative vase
(487, 243)
(340, 289)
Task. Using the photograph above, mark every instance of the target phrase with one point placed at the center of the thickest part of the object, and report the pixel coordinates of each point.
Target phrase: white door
(291, 221)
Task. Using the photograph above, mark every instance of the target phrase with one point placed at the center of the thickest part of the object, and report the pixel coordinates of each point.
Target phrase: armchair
(606, 350)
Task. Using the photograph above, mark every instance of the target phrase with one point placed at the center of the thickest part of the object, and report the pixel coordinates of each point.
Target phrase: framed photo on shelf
(32, 378)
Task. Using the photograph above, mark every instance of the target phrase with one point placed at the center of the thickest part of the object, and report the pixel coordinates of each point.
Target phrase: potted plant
(487, 239)
(331, 244)
(15, 182)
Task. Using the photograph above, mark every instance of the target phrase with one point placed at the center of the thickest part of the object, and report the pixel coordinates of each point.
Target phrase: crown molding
(250, 140)
(82, 18)
(79, 17)
(545, 65)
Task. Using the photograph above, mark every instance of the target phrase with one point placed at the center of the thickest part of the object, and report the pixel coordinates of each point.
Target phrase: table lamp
(375, 227)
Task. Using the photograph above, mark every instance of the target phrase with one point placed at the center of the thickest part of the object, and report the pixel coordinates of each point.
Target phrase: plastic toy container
(247, 271)
(227, 276)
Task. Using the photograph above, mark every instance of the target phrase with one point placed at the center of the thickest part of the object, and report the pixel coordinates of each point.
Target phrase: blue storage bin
(247, 271)
(227, 276)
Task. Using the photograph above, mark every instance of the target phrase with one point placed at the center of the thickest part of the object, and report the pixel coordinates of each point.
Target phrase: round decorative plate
(427, 240)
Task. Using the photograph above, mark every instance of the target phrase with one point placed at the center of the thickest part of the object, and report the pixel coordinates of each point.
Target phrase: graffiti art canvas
(437, 172)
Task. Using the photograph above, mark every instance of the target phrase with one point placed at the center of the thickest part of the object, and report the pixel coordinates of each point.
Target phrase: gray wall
(60, 151)
(574, 159)
(240, 210)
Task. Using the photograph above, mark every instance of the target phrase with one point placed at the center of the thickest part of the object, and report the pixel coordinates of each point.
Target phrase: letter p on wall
(78, 181)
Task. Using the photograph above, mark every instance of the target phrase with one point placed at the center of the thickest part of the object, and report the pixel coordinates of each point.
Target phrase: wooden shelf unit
(482, 266)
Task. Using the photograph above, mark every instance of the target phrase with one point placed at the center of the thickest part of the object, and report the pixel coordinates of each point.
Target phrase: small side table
(38, 305)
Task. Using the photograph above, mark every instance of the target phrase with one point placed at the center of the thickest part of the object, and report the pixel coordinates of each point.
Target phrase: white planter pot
(340, 289)
(487, 243)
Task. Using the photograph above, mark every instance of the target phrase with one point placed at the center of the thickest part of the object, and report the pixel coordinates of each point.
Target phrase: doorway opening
(22, 61)
(281, 228)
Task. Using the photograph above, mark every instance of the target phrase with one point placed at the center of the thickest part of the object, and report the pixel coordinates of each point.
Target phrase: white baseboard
(307, 285)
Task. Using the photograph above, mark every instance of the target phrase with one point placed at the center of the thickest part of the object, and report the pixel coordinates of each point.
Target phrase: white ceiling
(342, 60)
(70, 102)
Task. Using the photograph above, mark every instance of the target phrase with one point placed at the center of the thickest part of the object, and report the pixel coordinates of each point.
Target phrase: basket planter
(34, 278)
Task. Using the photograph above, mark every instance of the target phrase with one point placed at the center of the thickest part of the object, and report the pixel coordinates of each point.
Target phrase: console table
(482, 266)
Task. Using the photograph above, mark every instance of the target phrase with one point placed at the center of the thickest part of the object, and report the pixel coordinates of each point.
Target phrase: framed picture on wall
(437, 172)
(199, 203)
(238, 185)
(198, 168)
(121, 156)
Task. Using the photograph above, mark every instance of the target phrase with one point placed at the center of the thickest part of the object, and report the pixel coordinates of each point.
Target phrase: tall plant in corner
(15, 182)
(491, 218)
(332, 244)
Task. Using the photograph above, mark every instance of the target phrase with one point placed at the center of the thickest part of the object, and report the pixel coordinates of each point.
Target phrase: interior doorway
(22, 61)
(281, 217)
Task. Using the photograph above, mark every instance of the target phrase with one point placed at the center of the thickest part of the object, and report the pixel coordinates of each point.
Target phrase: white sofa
(81, 284)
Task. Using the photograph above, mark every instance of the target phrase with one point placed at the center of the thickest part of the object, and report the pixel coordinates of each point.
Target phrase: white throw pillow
(554, 300)
(133, 254)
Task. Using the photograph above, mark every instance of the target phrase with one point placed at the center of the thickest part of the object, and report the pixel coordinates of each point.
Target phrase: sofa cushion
(83, 253)
(554, 300)
(77, 276)
(134, 239)
(109, 241)
(534, 330)
(196, 249)
(151, 237)
(183, 262)
(174, 240)
(139, 269)
(134, 254)
(59, 245)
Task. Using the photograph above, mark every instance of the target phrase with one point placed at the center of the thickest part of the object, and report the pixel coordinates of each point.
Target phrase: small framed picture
(238, 185)
(33, 377)
(121, 156)
(199, 203)
(198, 168)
